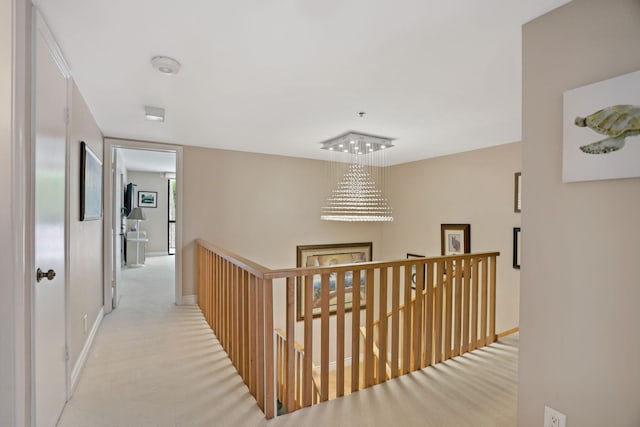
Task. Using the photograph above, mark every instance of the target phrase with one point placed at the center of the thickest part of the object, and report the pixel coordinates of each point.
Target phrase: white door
(116, 229)
(49, 311)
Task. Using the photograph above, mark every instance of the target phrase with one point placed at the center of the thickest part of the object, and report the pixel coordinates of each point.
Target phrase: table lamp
(138, 215)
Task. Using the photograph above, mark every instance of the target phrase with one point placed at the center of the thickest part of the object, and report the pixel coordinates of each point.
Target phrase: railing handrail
(456, 315)
(283, 335)
(263, 272)
(252, 267)
(310, 271)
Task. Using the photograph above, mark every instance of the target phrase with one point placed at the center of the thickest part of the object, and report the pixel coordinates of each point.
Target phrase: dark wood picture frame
(143, 201)
(448, 233)
(325, 255)
(517, 195)
(90, 184)
(516, 248)
(414, 274)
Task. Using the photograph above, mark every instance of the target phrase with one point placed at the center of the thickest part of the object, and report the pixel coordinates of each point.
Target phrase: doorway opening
(143, 239)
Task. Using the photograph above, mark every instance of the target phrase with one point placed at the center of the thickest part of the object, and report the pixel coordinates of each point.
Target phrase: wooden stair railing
(282, 388)
(453, 316)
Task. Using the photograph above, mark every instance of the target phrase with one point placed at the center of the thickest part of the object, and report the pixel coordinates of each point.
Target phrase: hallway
(157, 364)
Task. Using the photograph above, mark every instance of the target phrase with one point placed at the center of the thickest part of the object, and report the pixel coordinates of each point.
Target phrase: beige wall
(261, 207)
(85, 237)
(157, 222)
(475, 187)
(579, 316)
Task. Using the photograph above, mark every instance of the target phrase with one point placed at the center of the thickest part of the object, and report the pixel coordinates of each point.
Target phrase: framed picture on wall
(517, 198)
(147, 199)
(455, 239)
(414, 272)
(601, 123)
(90, 184)
(327, 255)
(516, 248)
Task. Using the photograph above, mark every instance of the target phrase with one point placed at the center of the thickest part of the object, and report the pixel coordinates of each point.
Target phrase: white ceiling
(280, 76)
(148, 161)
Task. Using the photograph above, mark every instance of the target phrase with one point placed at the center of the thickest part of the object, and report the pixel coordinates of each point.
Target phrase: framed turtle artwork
(601, 130)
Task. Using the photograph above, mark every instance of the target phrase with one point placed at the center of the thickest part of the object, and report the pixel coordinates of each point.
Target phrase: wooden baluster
(439, 295)
(245, 325)
(240, 321)
(492, 300)
(465, 309)
(233, 342)
(223, 304)
(227, 308)
(199, 274)
(428, 332)
(417, 318)
(368, 342)
(290, 361)
(340, 334)
(383, 339)
(215, 306)
(298, 379)
(395, 319)
(324, 338)
(212, 296)
(208, 287)
(236, 317)
(202, 284)
(483, 308)
(270, 402)
(278, 365)
(406, 322)
(260, 377)
(355, 332)
(474, 305)
(448, 306)
(220, 331)
(253, 340)
(457, 324)
(307, 375)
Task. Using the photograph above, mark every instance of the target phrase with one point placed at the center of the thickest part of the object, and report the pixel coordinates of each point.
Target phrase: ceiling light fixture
(155, 114)
(165, 65)
(359, 178)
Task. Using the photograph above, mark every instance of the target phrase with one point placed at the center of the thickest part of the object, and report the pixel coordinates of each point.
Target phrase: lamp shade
(137, 213)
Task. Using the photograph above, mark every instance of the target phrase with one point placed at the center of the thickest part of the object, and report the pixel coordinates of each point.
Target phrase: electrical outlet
(553, 418)
(84, 323)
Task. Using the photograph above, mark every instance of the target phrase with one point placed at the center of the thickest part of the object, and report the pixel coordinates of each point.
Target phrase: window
(172, 216)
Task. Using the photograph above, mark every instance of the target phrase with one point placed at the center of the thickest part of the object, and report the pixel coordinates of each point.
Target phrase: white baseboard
(189, 300)
(75, 373)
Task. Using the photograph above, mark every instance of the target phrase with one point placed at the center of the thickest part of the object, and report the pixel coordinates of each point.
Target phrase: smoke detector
(165, 65)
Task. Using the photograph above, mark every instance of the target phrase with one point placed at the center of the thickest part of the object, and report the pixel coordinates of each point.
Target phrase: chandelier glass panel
(358, 174)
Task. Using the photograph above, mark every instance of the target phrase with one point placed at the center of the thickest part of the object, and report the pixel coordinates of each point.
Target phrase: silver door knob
(41, 275)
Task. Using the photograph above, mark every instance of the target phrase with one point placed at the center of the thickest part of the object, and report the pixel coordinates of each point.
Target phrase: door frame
(15, 298)
(110, 144)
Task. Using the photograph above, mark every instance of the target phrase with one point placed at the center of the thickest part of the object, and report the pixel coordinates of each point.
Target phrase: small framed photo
(517, 245)
(455, 239)
(414, 274)
(147, 199)
(517, 197)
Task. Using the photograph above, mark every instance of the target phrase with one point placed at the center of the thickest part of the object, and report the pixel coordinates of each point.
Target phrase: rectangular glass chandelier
(359, 174)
